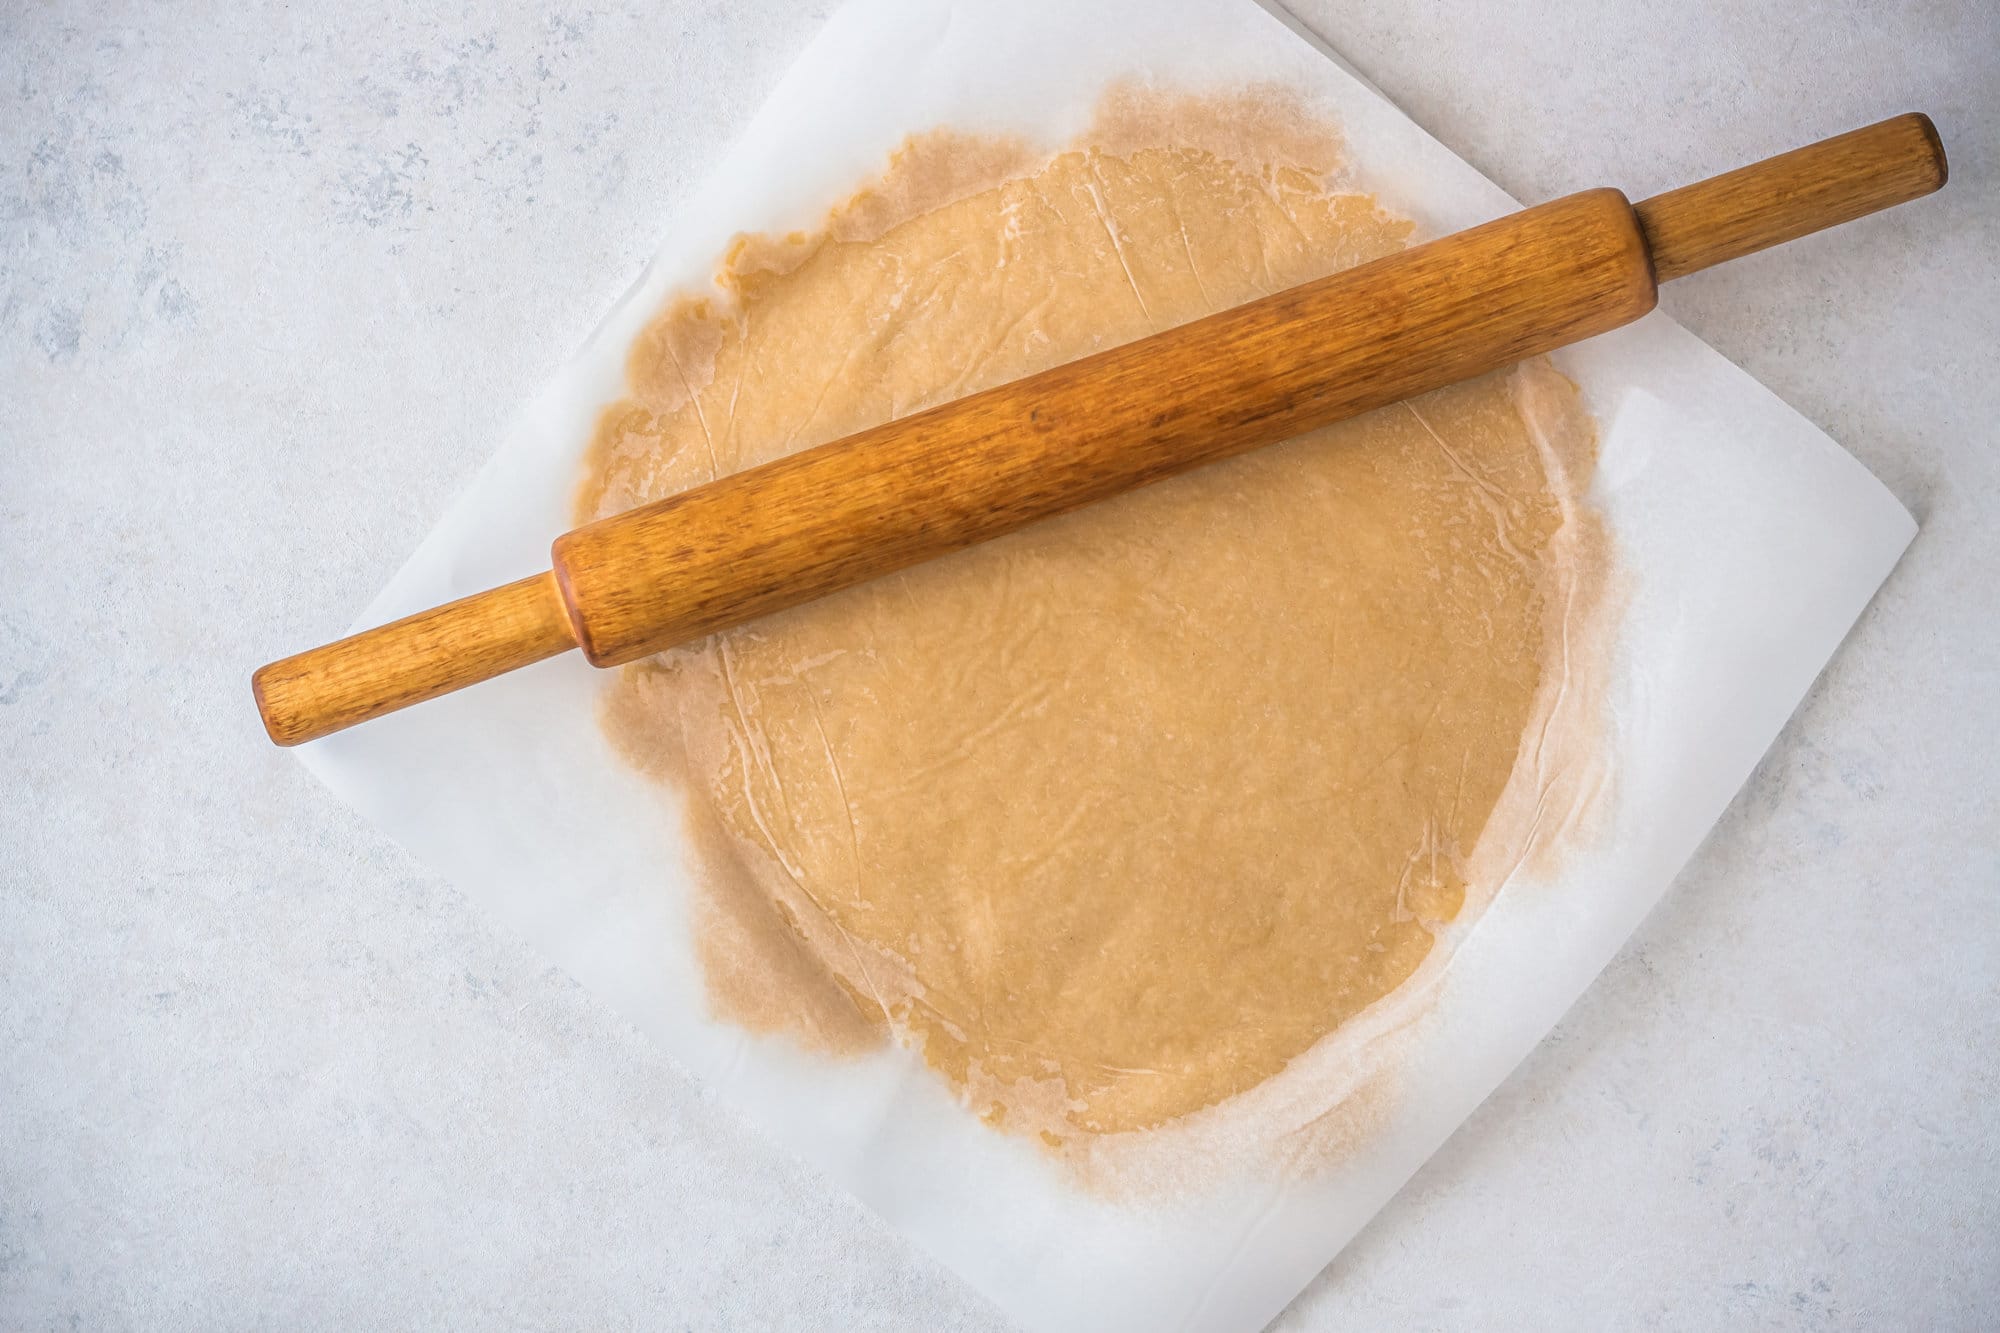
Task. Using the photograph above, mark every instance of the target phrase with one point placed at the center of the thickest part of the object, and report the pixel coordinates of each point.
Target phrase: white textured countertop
(272, 280)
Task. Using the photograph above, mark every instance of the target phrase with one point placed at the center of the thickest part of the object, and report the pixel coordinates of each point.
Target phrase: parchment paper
(1748, 539)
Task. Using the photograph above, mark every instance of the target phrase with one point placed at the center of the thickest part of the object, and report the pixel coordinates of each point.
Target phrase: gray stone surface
(273, 278)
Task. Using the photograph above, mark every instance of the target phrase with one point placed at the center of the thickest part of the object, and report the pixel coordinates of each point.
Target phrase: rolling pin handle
(321, 691)
(1793, 194)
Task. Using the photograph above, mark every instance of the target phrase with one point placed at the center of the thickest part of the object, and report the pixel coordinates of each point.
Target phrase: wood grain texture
(804, 526)
(1785, 197)
(318, 692)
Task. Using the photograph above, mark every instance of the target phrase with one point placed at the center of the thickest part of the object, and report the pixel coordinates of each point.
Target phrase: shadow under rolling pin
(909, 490)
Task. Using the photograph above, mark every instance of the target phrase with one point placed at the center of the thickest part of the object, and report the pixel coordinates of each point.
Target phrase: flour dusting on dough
(1151, 824)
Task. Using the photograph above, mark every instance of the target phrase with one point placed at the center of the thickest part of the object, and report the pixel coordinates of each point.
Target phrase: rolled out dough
(1117, 817)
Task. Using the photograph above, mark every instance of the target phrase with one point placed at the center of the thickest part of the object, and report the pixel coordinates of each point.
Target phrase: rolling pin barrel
(810, 524)
(928, 484)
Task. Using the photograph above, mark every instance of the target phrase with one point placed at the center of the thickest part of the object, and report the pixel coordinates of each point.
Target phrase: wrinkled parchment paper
(1748, 540)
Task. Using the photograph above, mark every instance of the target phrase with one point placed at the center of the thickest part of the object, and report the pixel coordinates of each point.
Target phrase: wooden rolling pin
(806, 525)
